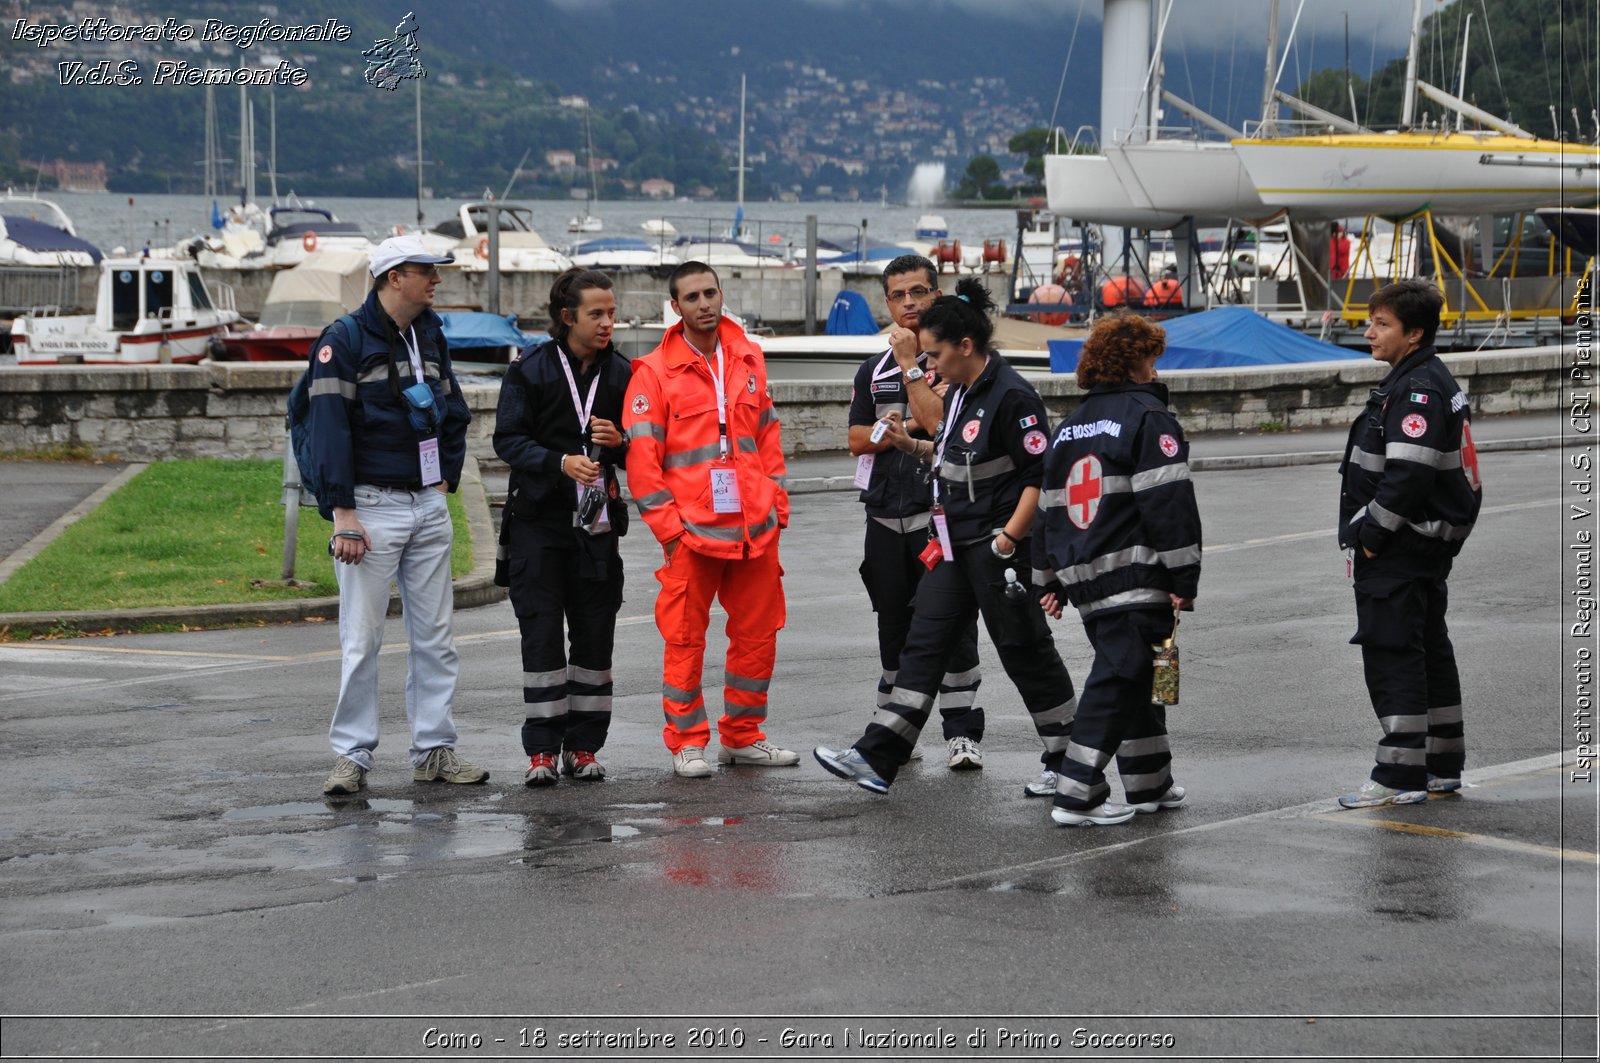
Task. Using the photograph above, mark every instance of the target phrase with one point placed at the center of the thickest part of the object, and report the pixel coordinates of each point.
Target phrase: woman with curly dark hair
(987, 460)
(1121, 542)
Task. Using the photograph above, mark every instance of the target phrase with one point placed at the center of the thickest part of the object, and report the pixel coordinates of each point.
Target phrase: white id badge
(725, 490)
(428, 452)
(941, 526)
(864, 471)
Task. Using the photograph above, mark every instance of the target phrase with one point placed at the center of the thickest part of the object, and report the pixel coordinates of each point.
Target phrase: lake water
(111, 220)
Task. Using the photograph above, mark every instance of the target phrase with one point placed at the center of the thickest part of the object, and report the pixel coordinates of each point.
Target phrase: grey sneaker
(442, 764)
(1043, 786)
(347, 777)
(761, 754)
(1443, 784)
(965, 755)
(1373, 794)
(581, 765)
(1171, 799)
(1105, 815)
(690, 763)
(850, 764)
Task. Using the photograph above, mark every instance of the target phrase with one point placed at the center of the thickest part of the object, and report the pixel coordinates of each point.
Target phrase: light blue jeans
(411, 537)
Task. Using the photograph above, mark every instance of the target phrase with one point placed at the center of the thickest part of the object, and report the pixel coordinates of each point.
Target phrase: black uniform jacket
(536, 424)
(1410, 472)
(899, 486)
(1121, 527)
(994, 448)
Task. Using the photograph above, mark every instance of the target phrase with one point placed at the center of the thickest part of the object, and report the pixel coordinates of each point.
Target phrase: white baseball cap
(398, 250)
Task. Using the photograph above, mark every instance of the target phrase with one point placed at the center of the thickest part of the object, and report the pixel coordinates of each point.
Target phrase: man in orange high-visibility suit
(706, 470)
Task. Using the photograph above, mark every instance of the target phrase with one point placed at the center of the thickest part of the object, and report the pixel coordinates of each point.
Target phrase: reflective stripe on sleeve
(1165, 474)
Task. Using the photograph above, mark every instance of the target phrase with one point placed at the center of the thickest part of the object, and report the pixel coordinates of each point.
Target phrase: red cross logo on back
(1083, 491)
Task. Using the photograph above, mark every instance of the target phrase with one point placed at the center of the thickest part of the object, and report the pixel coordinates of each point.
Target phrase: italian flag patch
(1419, 397)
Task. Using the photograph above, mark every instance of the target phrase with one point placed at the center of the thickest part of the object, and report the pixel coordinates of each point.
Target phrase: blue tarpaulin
(850, 316)
(468, 329)
(1225, 336)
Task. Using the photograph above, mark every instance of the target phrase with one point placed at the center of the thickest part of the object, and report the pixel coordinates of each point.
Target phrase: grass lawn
(187, 533)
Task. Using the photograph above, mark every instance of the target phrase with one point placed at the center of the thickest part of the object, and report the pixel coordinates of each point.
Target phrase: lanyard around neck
(957, 397)
(584, 408)
(410, 340)
(722, 395)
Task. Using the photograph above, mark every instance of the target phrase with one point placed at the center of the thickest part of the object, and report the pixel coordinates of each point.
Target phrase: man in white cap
(388, 440)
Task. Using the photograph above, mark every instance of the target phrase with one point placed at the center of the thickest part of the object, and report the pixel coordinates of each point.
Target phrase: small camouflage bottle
(1164, 684)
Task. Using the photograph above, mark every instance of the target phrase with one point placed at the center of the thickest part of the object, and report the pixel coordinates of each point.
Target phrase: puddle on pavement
(318, 808)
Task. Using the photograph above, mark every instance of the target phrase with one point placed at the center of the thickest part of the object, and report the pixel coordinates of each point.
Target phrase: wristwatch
(914, 374)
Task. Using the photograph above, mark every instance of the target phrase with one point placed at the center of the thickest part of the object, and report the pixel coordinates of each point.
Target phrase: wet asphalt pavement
(167, 851)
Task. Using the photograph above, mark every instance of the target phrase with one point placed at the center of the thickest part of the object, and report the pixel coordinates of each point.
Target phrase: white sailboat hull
(1398, 174)
(1086, 188)
(1202, 179)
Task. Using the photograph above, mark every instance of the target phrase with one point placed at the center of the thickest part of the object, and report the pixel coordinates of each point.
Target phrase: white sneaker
(1105, 815)
(1043, 786)
(1373, 794)
(762, 754)
(1171, 799)
(690, 763)
(965, 755)
(1444, 784)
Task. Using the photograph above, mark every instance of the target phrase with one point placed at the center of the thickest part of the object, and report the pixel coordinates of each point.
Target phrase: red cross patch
(1034, 442)
(1169, 446)
(325, 355)
(970, 432)
(1083, 491)
(1414, 425)
(641, 404)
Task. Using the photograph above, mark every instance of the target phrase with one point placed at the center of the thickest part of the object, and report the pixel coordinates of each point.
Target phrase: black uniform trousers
(1115, 715)
(949, 600)
(1410, 667)
(891, 572)
(556, 576)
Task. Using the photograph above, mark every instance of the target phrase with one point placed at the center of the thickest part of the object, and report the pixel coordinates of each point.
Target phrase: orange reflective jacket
(670, 418)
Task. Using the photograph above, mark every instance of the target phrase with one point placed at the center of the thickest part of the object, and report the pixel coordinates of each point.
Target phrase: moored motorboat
(147, 311)
(300, 303)
(522, 249)
(37, 232)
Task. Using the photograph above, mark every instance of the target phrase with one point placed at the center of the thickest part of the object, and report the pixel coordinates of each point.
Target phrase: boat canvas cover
(1225, 336)
(850, 315)
(328, 283)
(40, 236)
(465, 329)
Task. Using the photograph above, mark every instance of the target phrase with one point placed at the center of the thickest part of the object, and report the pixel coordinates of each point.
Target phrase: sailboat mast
(741, 146)
(1269, 101)
(1408, 99)
(211, 140)
(419, 152)
(272, 143)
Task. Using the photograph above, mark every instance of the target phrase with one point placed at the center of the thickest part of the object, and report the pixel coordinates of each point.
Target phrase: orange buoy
(1164, 292)
(309, 242)
(482, 250)
(1050, 293)
(1121, 291)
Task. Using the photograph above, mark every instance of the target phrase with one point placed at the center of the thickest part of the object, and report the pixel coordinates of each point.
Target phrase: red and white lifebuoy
(482, 250)
(309, 242)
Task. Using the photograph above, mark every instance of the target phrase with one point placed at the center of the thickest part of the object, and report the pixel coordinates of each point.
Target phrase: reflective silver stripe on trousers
(593, 704)
(692, 457)
(971, 677)
(545, 679)
(672, 693)
(687, 720)
(1059, 714)
(545, 710)
(739, 682)
(1436, 459)
(1442, 714)
(1165, 474)
(332, 385)
(641, 429)
(1446, 745)
(957, 699)
(911, 699)
(1055, 743)
(1403, 724)
(590, 676)
(1148, 781)
(653, 500)
(1088, 755)
(1069, 787)
(960, 474)
(1133, 597)
(758, 712)
(1143, 747)
(1366, 459)
(905, 525)
(892, 720)
(1401, 755)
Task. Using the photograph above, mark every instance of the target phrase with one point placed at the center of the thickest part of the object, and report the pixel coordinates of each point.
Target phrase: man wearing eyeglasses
(899, 385)
(388, 440)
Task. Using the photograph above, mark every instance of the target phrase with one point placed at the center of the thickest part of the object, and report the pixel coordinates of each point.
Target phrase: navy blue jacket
(992, 452)
(1410, 471)
(360, 429)
(899, 486)
(535, 424)
(1121, 527)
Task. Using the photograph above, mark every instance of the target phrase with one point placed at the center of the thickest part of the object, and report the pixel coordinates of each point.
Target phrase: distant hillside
(1525, 58)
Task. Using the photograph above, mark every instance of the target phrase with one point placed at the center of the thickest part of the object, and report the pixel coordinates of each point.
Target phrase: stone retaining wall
(235, 410)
